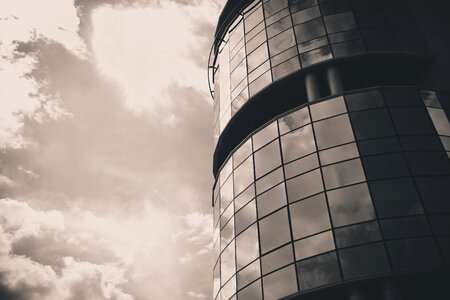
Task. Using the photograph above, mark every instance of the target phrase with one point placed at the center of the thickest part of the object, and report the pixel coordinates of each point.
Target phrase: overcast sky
(105, 149)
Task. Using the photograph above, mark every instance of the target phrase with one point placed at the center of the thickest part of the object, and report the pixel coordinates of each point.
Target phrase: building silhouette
(332, 146)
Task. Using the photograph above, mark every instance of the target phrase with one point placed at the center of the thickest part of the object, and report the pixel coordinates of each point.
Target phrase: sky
(105, 149)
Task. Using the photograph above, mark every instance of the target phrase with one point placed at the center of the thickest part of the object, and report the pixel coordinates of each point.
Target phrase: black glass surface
(317, 271)
(364, 260)
(372, 124)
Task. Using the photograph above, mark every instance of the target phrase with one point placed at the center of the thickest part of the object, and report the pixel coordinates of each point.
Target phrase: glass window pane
(227, 214)
(372, 124)
(357, 234)
(301, 165)
(350, 205)
(281, 42)
(244, 197)
(271, 200)
(426, 163)
(314, 245)
(440, 224)
(256, 41)
(248, 274)
(312, 44)
(294, 120)
(385, 166)
(297, 143)
(226, 234)
(306, 15)
(402, 97)
(252, 292)
(309, 30)
(260, 83)
(327, 108)
(315, 56)
(348, 48)
(286, 68)
(279, 26)
(229, 289)
(344, 173)
(269, 181)
(440, 120)
(283, 56)
(255, 31)
(434, 192)
(226, 194)
(274, 230)
(271, 7)
(257, 57)
(237, 34)
(344, 36)
(267, 158)
(414, 253)
(309, 216)
(297, 5)
(364, 260)
(242, 153)
(304, 185)
(430, 99)
(334, 131)
(280, 283)
(340, 22)
(225, 171)
(277, 259)
(395, 197)
(339, 153)
(228, 265)
(216, 279)
(405, 227)
(364, 100)
(259, 71)
(265, 135)
(412, 120)
(239, 101)
(253, 19)
(243, 176)
(421, 143)
(371, 19)
(277, 16)
(247, 249)
(334, 7)
(317, 271)
(379, 146)
(245, 217)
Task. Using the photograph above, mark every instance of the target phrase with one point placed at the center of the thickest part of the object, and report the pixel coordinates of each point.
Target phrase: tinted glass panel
(421, 143)
(281, 42)
(242, 153)
(357, 234)
(267, 158)
(306, 15)
(252, 292)
(265, 135)
(315, 56)
(226, 193)
(309, 30)
(309, 216)
(379, 146)
(248, 274)
(280, 283)
(260, 83)
(340, 153)
(372, 124)
(364, 260)
(405, 227)
(412, 121)
(344, 173)
(430, 99)
(304, 185)
(274, 230)
(245, 217)
(314, 245)
(247, 247)
(269, 181)
(271, 200)
(385, 166)
(402, 97)
(257, 57)
(414, 253)
(285, 55)
(228, 265)
(227, 233)
(243, 176)
(277, 259)
(286, 68)
(440, 120)
(298, 143)
(340, 22)
(244, 197)
(279, 26)
(317, 271)
(434, 192)
(334, 131)
(426, 163)
(350, 205)
(348, 48)
(312, 44)
(301, 166)
(328, 108)
(274, 6)
(294, 120)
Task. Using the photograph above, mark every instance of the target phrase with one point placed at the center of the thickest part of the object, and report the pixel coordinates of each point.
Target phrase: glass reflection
(216, 279)
(340, 153)
(317, 271)
(274, 230)
(228, 266)
(306, 15)
(248, 274)
(286, 68)
(405, 227)
(414, 253)
(359, 101)
(344, 173)
(304, 185)
(314, 245)
(253, 19)
(297, 143)
(309, 30)
(269, 181)
(350, 205)
(225, 172)
(279, 26)
(271, 200)
(226, 234)
(357, 234)
(294, 120)
(245, 217)
(281, 42)
(334, 131)
(272, 7)
(430, 99)
(265, 135)
(301, 166)
(229, 289)
(260, 83)
(226, 194)
(313, 44)
(252, 292)
(247, 249)
(340, 22)
(243, 175)
(328, 108)
(267, 158)
(385, 166)
(283, 56)
(316, 56)
(257, 57)
(259, 71)
(364, 260)
(277, 259)
(256, 41)
(412, 120)
(280, 283)
(239, 101)
(440, 120)
(372, 124)
(277, 16)
(242, 153)
(227, 214)
(238, 75)
(309, 216)
(244, 197)
(348, 48)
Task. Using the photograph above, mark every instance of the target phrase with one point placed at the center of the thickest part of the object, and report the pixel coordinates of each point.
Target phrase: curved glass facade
(349, 187)
(272, 39)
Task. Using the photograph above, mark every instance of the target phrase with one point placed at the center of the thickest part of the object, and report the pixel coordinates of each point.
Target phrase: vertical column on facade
(334, 80)
(355, 294)
(312, 86)
(391, 292)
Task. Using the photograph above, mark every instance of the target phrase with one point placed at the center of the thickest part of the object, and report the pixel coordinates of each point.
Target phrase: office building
(332, 146)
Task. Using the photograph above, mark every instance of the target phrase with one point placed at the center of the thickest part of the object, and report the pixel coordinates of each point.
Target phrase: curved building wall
(272, 39)
(348, 187)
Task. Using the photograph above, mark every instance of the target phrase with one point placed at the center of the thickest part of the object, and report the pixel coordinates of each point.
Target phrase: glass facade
(347, 187)
(271, 39)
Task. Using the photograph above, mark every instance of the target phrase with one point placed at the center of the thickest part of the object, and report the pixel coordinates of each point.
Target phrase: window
(357, 234)
(385, 166)
(301, 165)
(364, 260)
(280, 283)
(248, 274)
(277, 259)
(269, 181)
(242, 153)
(267, 158)
(340, 22)
(314, 245)
(309, 30)
(294, 120)
(228, 266)
(315, 56)
(271, 200)
(372, 124)
(265, 135)
(405, 227)
(281, 42)
(339, 153)
(344, 173)
(317, 271)
(298, 143)
(334, 131)
(247, 249)
(245, 217)
(328, 108)
(414, 253)
(274, 230)
(304, 185)
(243, 175)
(251, 292)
